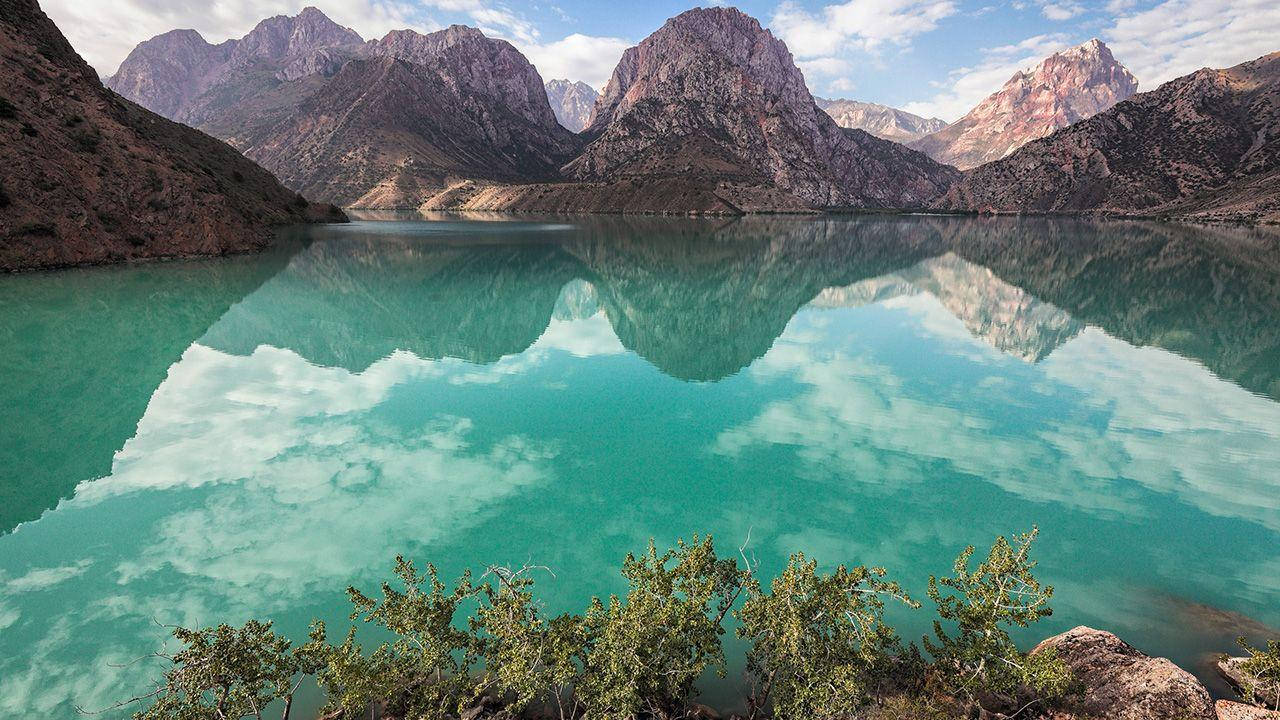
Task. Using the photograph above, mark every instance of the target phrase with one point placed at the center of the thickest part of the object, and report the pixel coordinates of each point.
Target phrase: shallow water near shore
(205, 442)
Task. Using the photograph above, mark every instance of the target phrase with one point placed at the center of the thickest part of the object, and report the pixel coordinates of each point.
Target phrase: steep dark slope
(90, 178)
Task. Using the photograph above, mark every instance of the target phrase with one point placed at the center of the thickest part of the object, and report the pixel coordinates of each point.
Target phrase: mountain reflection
(702, 299)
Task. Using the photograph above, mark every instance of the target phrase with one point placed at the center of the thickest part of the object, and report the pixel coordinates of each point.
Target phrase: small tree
(527, 657)
(980, 663)
(819, 642)
(425, 672)
(1261, 674)
(644, 653)
(227, 672)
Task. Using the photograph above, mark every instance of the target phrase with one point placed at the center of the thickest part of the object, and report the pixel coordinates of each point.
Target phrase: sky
(936, 58)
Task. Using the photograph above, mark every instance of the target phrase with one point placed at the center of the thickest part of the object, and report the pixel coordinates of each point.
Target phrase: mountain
(172, 74)
(880, 120)
(572, 102)
(1065, 88)
(1205, 145)
(710, 114)
(379, 124)
(103, 180)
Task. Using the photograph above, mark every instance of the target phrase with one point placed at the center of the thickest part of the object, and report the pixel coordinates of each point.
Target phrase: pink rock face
(713, 94)
(1063, 89)
(1206, 145)
(572, 102)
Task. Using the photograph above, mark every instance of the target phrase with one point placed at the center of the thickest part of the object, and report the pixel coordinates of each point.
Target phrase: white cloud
(858, 24)
(965, 87)
(1178, 37)
(581, 57)
(1061, 11)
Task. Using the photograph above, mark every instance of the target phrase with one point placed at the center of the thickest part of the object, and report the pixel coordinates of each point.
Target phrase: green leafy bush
(819, 646)
(426, 672)
(1262, 673)
(527, 657)
(227, 672)
(819, 642)
(980, 662)
(644, 651)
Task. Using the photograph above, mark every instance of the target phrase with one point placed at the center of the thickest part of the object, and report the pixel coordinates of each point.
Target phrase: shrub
(1262, 673)
(426, 672)
(644, 652)
(227, 672)
(527, 657)
(980, 663)
(86, 141)
(7, 109)
(5, 200)
(819, 642)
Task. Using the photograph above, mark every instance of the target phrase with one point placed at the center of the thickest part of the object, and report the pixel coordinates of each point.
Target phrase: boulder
(1122, 683)
(1228, 710)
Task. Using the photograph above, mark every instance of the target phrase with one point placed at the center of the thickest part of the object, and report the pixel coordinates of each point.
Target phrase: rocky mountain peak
(713, 94)
(1063, 89)
(572, 102)
(470, 62)
(283, 36)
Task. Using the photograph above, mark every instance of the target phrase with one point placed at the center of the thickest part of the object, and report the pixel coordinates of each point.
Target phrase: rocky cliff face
(1065, 88)
(880, 120)
(712, 94)
(1204, 145)
(572, 102)
(382, 124)
(104, 180)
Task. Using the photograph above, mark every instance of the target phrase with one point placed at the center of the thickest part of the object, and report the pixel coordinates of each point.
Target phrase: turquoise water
(212, 441)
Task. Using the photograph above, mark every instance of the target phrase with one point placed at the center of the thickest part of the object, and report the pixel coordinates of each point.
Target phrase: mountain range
(880, 120)
(376, 124)
(709, 114)
(91, 177)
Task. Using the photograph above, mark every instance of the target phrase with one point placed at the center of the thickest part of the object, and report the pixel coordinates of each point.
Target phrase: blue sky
(933, 57)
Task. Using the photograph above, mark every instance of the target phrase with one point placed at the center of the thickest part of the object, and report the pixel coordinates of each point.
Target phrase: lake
(212, 441)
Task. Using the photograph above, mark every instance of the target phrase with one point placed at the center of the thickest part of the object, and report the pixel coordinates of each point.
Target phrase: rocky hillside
(382, 124)
(713, 95)
(104, 180)
(880, 120)
(1065, 88)
(572, 102)
(1205, 145)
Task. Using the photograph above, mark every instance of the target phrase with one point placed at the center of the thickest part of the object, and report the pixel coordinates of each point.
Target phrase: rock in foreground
(92, 178)
(1122, 683)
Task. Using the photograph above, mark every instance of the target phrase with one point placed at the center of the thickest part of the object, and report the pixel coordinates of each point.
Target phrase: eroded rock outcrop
(1065, 88)
(93, 178)
(1122, 683)
(1206, 145)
